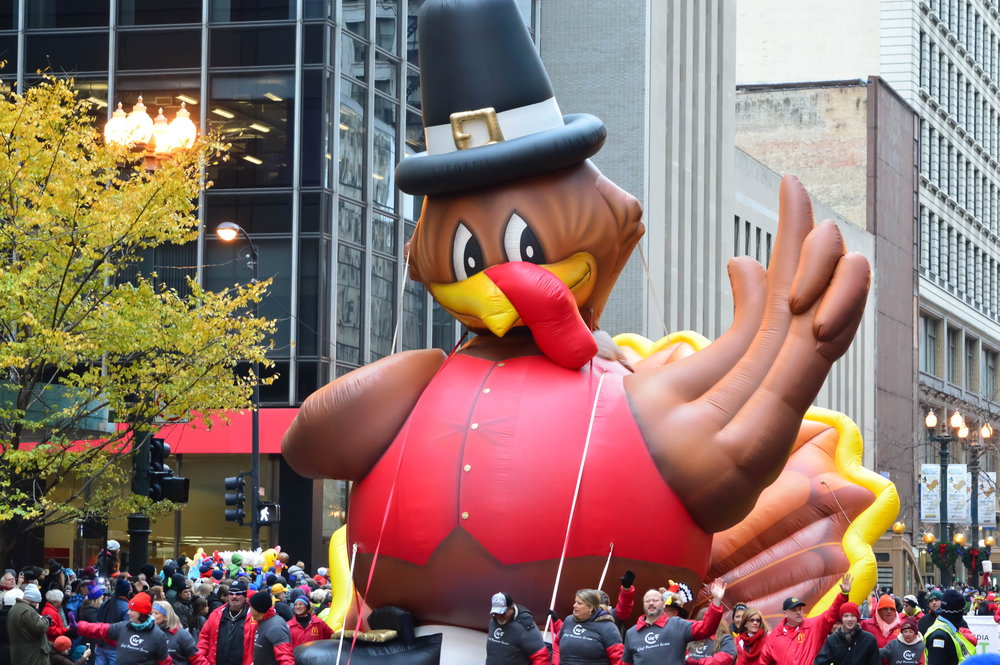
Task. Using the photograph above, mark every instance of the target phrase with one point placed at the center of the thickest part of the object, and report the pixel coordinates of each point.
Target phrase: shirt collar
(661, 622)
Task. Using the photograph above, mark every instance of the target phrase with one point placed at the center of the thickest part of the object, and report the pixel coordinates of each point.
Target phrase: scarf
(145, 625)
(849, 635)
(753, 644)
(886, 628)
(304, 620)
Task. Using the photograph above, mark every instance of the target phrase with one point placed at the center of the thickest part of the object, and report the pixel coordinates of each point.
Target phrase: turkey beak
(478, 302)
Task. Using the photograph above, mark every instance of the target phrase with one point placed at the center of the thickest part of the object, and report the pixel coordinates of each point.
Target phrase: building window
(758, 245)
(954, 358)
(928, 344)
(971, 373)
(768, 251)
(736, 237)
(990, 375)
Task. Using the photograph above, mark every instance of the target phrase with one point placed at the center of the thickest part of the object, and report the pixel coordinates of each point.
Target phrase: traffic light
(235, 497)
(163, 484)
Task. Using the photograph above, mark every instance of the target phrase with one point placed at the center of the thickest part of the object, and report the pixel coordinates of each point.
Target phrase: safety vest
(963, 647)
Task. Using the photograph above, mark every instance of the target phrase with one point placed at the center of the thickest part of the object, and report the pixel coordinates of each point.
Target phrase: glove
(73, 634)
(627, 579)
(553, 615)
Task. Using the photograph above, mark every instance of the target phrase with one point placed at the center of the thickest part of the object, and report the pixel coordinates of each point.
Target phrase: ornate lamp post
(957, 423)
(156, 139)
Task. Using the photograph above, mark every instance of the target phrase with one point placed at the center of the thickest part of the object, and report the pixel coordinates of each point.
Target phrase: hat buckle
(487, 115)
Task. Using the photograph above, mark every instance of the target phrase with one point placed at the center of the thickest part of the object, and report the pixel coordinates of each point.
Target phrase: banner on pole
(985, 630)
(930, 492)
(958, 494)
(987, 499)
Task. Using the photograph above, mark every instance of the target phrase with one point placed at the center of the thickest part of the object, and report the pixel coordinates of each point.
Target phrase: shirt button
(468, 467)
(475, 425)
(465, 516)
(486, 390)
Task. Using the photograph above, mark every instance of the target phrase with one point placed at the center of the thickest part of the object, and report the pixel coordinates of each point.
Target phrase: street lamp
(957, 422)
(158, 139)
(228, 232)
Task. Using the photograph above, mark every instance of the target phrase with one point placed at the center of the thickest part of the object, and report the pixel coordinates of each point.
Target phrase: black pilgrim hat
(490, 115)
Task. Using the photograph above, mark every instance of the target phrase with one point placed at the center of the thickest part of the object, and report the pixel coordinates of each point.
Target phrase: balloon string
(656, 301)
(576, 494)
(388, 503)
(606, 564)
(402, 292)
(350, 583)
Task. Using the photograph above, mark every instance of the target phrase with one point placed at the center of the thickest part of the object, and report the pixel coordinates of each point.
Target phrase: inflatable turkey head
(519, 230)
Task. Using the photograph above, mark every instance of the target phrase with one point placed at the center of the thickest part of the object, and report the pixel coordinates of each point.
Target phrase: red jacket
(208, 639)
(316, 630)
(871, 626)
(56, 627)
(800, 646)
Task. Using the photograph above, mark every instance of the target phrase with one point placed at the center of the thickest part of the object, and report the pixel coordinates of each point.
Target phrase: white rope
(656, 301)
(402, 292)
(606, 564)
(350, 584)
(576, 494)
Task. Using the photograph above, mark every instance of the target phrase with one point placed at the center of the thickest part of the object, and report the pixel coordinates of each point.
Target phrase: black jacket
(284, 610)
(4, 638)
(861, 649)
(515, 642)
(213, 601)
(229, 649)
(926, 621)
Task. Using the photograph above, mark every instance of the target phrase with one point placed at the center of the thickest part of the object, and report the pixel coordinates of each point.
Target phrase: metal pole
(138, 523)
(975, 506)
(944, 498)
(255, 470)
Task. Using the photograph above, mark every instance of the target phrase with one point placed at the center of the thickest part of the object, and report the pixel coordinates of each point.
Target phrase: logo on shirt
(579, 630)
(135, 640)
(801, 638)
(908, 655)
(497, 634)
(651, 637)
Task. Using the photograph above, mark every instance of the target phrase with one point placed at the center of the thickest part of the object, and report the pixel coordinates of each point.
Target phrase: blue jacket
(112, 612)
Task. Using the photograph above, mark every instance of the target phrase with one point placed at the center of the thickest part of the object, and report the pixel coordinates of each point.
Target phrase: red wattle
(549, 309)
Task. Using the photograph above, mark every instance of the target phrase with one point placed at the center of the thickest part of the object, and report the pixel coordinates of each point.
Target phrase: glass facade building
(319, 100)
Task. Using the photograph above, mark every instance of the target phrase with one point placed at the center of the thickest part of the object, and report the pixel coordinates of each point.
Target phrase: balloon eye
(521, 243)
(466, 254)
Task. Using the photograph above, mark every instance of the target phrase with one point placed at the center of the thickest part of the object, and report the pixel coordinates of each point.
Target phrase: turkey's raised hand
(721, 423)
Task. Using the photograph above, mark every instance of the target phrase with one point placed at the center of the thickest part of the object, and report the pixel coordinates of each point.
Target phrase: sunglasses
(754, 620)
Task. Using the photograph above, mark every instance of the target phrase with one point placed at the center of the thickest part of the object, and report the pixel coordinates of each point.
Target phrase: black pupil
(531, 249)
(473, 258)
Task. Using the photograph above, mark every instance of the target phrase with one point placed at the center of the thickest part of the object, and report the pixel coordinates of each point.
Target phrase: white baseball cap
(501, 603)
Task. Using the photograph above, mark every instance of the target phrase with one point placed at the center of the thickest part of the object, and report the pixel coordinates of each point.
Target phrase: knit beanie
(849, 608)
(95, 592)
(149, 570)
(62, 643)
(952, 603)
(32, 593)
(909, 622)
(261, 602)
(11, 596)
(122, 588)
(142, 604)
(886, 601)
(217, 574)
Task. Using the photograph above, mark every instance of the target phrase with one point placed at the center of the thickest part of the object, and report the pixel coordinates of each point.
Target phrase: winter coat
(665, 640)
(56, 628)
(196, 631)
(214, 601)
(73, 603)
(183, 610)
(898, 652)
(56, 658)
(4, 638)
(750, 647)
(857, 648)
(272, 643)
(621, 612)
(208, 639)
(517, 642)
(134, 646)
(26, 629)
(799, 646)
(182, 648)
(315, 630)
(595, 641)
(111, 611)
(874, 627)
(724, 655)
(283, 610)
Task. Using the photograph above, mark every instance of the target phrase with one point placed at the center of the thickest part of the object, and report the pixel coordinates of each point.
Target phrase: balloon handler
(522, 239)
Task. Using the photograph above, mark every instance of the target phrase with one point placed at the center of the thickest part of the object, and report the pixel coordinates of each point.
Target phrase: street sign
(269, 512)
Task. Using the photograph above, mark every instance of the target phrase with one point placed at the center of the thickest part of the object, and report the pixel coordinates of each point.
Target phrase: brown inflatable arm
(342, 429)
(723, 421)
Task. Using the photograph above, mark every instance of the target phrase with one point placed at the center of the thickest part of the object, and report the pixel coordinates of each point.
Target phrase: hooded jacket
(26, 630)
(595, 641)
(798, 646)
(208, 639)
(750, 647)
(312, 631)
(136, 645)
(517, 642)
(665, 640)
(272, 643)
(857, 647)
(898, 652)
(182, 648)
(883, 632)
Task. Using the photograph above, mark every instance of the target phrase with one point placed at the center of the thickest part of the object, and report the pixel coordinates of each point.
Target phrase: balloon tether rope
(350, 582)
(576, 494)
(656, 301)
(606, 564)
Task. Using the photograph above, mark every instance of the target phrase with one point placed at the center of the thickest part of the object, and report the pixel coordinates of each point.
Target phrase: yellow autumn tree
(93, 348)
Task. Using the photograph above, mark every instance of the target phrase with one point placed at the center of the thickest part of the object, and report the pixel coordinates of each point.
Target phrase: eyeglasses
(754, 620)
